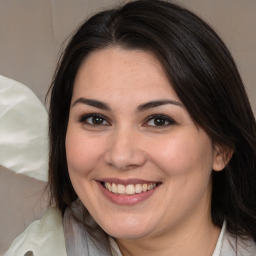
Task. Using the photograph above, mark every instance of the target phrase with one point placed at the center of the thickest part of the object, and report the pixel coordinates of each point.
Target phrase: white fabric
(220, 240)
(114, 247)
(23, 130)
(43, 237)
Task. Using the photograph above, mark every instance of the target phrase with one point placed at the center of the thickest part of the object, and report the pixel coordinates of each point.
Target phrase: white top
(220, 240)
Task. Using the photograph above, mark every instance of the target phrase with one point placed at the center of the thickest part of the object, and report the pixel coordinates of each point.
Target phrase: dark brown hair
(204, 76)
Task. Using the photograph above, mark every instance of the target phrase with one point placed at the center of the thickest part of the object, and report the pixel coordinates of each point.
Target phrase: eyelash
(166, 121)
(84, 119)
(161, 117)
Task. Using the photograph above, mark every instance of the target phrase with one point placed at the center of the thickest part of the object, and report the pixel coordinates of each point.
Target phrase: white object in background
(23, 130)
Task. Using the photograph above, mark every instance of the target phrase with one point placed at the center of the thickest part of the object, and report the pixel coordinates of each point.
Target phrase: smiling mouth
(129, 189)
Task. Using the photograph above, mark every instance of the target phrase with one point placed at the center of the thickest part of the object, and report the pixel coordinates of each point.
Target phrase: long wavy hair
(205, 78)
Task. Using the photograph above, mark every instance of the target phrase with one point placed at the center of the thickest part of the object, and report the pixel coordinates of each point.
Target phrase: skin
(127, 144)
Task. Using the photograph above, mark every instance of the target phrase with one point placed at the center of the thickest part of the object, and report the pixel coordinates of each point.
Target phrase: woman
(152, 141)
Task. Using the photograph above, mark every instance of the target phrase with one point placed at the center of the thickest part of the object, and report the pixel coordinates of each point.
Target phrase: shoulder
(42, 237)
(237, 246)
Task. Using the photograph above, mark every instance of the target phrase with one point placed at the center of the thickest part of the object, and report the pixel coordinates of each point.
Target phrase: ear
(222, 155)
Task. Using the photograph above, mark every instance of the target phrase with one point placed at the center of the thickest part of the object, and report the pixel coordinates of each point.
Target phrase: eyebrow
(140, 108)
(93, 103)
(157, 103)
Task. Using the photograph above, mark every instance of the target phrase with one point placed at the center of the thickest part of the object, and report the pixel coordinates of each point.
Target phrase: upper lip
(133, 181)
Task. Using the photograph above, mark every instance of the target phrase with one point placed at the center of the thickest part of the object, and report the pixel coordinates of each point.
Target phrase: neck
(201, 242)
(190, 238)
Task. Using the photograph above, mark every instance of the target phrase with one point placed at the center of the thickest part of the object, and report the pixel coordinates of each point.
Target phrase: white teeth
(108, 186)
(138, 188)
(151, 186)
(113, 188)
(120, 189)
(129, 189)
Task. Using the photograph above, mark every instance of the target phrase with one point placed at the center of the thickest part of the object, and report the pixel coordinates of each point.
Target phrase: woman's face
(136, 159)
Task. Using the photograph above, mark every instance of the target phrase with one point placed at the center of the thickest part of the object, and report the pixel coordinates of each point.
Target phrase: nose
(125, 150)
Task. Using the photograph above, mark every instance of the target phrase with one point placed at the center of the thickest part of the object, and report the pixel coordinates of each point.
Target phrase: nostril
(125, 158)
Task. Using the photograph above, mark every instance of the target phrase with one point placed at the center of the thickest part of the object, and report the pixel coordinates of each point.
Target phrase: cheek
(82, 153)
(184, 154)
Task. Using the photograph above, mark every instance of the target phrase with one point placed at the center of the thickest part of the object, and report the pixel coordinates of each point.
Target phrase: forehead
(119, 71)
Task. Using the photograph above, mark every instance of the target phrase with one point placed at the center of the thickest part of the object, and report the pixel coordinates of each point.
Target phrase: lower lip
(127, 199)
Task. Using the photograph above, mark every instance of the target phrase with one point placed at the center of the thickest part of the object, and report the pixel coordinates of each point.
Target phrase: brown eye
(97, 120)
(94, 119)
(159, 121)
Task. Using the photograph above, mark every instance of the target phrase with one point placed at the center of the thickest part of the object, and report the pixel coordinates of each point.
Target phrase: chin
(127, 234)
(127, 231)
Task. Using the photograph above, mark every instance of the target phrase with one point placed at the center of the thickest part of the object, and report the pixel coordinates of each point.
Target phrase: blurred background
(32, 35)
